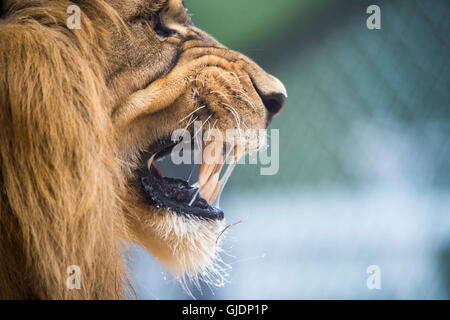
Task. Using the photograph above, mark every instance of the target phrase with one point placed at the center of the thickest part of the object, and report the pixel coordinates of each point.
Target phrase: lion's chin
(187, 245)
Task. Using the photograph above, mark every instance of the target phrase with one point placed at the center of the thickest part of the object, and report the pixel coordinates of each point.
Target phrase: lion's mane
(59, 185)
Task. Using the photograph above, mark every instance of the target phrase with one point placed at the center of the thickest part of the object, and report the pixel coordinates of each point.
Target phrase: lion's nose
(274, 104)
(272, 92)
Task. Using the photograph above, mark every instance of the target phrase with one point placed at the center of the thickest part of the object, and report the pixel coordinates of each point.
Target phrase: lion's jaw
(201, 81)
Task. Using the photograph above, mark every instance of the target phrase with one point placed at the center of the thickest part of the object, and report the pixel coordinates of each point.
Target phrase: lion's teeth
(238, 152)
(207, 190)
(212, 162)
(150, 161)
(205, 173)
(214, 194)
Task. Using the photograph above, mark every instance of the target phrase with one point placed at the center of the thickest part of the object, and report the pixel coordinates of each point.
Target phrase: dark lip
(173, 194)
(160, 148)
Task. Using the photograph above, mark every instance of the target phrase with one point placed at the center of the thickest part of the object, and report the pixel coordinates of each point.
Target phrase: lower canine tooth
(150, 161)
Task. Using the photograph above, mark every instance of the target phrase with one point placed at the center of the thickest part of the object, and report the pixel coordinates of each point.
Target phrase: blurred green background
(364, 140)
(338, 74)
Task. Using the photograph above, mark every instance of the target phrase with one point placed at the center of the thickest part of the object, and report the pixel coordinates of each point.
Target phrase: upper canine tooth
(239, 151)
(214, 194)
(205, 173)
(212, 152)
(212, 161)
(207, 190)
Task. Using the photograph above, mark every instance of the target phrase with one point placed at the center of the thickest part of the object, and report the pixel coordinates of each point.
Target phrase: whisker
(246, 98)
(249, 102)
(223, 94)
(236, 117)
(194, 197)
(236, 77)
(189, 124)
(227, 227)
(197, 80)
(240, 96)
(203, 124)
(198, 109)
(233, 79)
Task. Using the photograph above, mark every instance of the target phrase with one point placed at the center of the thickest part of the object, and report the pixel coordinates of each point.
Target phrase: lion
(85, 114)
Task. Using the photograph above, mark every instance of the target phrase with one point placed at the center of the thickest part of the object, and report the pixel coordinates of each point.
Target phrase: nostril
(274, 104)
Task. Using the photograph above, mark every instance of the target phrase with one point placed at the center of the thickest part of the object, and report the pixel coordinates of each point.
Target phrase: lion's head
(86, 113)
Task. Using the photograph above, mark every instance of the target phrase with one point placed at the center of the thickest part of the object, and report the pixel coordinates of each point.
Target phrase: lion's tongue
(213, 160)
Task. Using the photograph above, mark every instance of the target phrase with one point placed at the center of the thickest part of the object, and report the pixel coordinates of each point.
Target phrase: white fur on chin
(188, 246)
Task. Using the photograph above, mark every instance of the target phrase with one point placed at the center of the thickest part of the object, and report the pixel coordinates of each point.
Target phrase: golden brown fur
(77, 108)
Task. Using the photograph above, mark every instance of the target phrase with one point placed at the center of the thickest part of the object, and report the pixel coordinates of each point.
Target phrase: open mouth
(200, 199)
